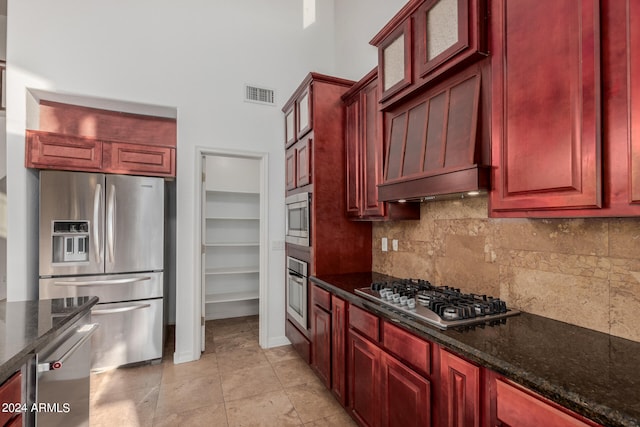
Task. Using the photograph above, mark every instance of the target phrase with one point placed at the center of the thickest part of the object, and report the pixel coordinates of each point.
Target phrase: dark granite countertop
(594, 374)
(28, 326)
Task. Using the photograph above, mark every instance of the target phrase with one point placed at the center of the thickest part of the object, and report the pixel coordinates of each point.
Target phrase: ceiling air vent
(259, 95)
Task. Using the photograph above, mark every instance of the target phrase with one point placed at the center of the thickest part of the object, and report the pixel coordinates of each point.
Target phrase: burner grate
(442, 306)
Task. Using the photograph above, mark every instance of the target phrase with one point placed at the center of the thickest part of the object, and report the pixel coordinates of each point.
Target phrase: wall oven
(297, 290)
(298, 220)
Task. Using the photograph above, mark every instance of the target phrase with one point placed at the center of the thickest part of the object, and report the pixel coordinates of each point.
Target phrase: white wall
(357, 21)
(193, 56)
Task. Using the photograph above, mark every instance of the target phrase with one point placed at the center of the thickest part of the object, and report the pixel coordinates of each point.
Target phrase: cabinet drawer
(411, 349)
(517, 407)
(321, 297)
(299, 342)
(46, 150)
(139, 159)
(366, 323)
(10, 392)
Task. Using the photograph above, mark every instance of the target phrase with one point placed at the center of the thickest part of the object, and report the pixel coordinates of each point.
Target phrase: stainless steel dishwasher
(62, 378)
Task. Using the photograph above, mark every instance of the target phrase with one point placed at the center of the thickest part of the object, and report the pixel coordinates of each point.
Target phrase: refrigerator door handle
(103, 282)
(97, 196)
(120, 309)
(111, 226)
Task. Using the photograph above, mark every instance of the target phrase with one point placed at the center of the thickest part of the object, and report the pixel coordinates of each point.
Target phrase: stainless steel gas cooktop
(440, 306)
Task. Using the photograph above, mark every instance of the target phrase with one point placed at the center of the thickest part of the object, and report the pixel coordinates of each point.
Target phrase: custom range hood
(437, 142)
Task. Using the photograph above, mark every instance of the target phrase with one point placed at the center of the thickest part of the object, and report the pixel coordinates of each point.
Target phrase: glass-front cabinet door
(289, 126)
(427, 40)
(394, 56)
(450, 32)
(304, 112)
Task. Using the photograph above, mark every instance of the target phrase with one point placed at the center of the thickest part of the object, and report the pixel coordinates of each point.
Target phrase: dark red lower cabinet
(511, 404)
(364, 359)
(321, 349)
(405, 395)
(339, 349)
(460, 390)
(383, 391)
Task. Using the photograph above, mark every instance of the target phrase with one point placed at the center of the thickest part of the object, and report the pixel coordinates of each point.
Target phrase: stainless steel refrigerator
(103, 235)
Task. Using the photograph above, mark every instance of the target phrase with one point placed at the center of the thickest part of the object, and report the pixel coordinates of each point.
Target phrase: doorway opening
(233, 235)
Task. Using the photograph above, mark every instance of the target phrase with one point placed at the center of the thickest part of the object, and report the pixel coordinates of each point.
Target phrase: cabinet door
(364, 360)
(339, 350)
(449, 32)
(138, 159)
(353, 160)
(304, 112)
(634, 98)
(290, 168)
(46, 150)
(405, 395)
(10, 392)
(303, 163)
(321, 343)
(546, 106)
(373, 151)
(289, 126)
(394, 60)
(460, 382)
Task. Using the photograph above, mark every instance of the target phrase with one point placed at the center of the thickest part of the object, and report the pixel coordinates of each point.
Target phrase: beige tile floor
(235, 383)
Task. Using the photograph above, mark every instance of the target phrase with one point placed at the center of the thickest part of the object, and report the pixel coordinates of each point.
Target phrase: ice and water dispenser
(70, 241)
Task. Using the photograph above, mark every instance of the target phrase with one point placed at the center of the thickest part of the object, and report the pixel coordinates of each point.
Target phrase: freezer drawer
(129, 332)
(108, 288)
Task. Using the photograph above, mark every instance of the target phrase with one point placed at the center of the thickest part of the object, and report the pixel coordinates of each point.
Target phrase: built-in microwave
(298, 219)
(297, 290)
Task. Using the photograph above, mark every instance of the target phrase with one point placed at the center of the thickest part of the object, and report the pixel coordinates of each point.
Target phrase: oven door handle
(120, 309)
(87, 331)
(103, 282)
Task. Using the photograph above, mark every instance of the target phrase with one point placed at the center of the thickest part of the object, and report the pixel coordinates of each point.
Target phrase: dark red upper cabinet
(79, 138)
(426, 40)
(450, 31)
(298, 114)
(290, 135)
(633, 71)
(546, 106)
(364, 155)
(565, 109)
(304, 112)
(394, 57)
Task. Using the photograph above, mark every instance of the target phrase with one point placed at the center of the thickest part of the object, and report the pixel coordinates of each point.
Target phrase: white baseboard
(278, 341)
(184, 357)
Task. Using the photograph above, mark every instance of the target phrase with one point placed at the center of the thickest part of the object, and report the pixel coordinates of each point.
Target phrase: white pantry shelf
(231, 297)
(231, 270)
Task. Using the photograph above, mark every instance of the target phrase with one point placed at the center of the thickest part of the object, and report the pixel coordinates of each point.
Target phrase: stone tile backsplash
(582, 271)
